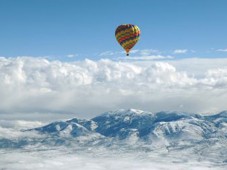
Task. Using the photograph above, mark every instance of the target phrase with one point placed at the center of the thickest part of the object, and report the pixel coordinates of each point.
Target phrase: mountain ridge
(127, 127)
(122, 123)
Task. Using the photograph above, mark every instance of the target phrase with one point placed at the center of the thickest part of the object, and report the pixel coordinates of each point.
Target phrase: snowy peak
(122, 123)
(123, 112)
(74, 127)
(222, 114)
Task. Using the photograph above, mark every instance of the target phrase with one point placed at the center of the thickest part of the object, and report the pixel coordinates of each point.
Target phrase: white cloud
(107, 53)
(134, 51)
(180, 51)
(199, 66)
(19, 124)
(71, 55)
(86, 88)
(144, 52)
(222, 50)
(147, 52)
(151, 57)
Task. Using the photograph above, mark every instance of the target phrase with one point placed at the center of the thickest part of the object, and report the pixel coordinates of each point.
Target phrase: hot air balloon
(127, 36)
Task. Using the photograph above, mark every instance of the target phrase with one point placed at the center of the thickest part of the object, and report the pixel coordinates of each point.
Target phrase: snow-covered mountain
(169, 128)
(174, 135)
(163, 129)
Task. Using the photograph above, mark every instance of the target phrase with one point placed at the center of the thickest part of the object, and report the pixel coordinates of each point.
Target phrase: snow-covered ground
(59, 159)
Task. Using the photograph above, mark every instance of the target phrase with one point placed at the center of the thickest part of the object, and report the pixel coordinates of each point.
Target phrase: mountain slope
(140, 126)
(166, 129)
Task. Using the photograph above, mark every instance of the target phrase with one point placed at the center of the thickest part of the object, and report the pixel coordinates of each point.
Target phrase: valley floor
(100, 159)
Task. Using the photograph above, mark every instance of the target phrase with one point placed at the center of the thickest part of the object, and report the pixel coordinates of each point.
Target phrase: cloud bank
(54, 159)
(86, 88)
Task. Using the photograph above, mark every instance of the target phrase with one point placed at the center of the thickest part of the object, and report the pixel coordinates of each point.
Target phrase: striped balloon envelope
(127, 36)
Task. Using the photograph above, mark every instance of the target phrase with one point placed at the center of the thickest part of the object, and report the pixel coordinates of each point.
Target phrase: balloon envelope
(127, 36)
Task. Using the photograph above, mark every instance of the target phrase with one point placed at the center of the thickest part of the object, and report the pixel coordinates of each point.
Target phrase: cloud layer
(31, 85)
(58, 159)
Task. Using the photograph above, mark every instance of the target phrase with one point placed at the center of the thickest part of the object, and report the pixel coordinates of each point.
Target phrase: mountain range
(133, 129)
(145, 126)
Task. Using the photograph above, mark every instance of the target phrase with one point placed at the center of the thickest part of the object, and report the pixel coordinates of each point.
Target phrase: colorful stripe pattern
(127, 35)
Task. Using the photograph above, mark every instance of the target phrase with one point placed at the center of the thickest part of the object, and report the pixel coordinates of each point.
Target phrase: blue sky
(85, 28)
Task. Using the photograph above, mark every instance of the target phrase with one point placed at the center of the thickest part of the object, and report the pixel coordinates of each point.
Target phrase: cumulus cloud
(86, 88)
(199, 66)
(180, 51)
